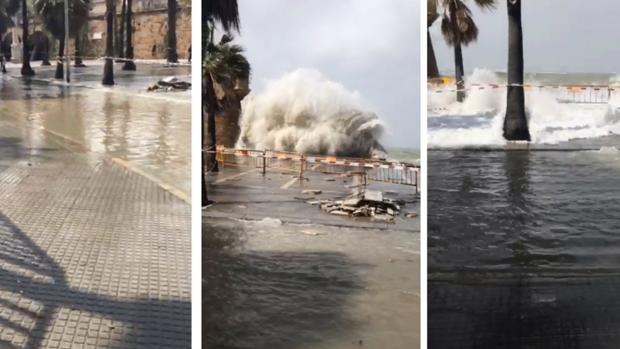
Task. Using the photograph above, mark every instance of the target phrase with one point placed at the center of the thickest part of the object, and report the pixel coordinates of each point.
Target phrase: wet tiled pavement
(92, 255)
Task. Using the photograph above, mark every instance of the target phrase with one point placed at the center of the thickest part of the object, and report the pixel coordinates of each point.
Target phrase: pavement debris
(312, 191)
(368, 203)
(169, 84)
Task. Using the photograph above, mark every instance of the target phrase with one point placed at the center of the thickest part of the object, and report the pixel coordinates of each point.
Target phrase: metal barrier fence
(371, 169)
(583, 94)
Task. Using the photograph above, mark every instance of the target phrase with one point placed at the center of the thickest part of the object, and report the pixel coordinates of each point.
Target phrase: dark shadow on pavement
(33, 287)
(271, 299)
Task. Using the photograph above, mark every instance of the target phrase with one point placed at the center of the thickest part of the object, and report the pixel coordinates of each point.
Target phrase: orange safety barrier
(374, 169)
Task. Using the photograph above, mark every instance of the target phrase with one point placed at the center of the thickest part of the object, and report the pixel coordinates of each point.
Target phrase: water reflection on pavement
(149, 132)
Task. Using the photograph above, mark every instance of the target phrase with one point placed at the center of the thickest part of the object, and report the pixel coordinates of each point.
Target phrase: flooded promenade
(280, 273)
(94, 252)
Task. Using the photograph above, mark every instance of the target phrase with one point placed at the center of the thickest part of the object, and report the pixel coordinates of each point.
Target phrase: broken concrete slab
(361, 204)
(170, 83)
(373, 195)
(382, 217)
(352, 201)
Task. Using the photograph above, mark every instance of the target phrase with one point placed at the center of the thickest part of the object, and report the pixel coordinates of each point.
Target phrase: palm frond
(225, 12)
(52, 13)
(226, 63)
(431, 12)
(465, 31)
(446, 30)
(8, 8)
(468, 31)
(12, 6)
(486, 4)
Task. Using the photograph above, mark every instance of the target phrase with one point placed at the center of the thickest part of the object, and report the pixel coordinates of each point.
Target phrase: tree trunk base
(59, 71)
(129, 65)
(108, 73)
(515, 128)
(27, 71)
(517, 145)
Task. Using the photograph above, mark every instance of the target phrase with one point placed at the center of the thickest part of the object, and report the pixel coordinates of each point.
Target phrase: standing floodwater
(524, 246)
(280, 273)
(524, 249)
(147, 132)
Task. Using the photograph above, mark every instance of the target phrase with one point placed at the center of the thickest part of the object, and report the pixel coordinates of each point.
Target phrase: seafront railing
(582, 94)
(370, 169)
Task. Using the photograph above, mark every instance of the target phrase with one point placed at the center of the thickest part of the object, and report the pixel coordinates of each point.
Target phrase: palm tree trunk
(211, 109)
(432, 72)
(129, 64)
(108, 67)
(121, 33)
(60, 61)
(515, 122)
(459, 71)
(26, 69)
(205, 197)
(172, 32)
(46, 55)
(78, 54)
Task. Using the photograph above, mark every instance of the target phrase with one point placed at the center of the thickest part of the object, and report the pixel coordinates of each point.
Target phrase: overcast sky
(559, 36)
(368, 46)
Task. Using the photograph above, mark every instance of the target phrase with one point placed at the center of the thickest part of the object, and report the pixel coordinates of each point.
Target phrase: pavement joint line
(165, 186)
(238, 175)
(289, 183)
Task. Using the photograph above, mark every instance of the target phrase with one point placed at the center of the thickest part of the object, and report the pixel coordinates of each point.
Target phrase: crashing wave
(305, 112)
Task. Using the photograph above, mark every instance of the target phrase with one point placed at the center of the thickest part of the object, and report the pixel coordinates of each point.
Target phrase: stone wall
(149, 36)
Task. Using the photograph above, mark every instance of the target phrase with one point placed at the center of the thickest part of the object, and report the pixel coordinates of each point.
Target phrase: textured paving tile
(91, 255)
(525, 311)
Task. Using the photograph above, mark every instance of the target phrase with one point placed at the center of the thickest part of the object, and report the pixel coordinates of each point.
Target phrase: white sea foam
(605, 150)
(478, 120)
(305, 112)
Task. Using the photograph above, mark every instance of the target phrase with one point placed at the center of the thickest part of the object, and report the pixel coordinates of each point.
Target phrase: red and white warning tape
(316, 159)
(569, 88)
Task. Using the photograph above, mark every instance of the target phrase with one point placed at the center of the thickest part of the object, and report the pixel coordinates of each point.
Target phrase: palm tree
(129, 63)
(120, 33)
(108, 67)
(226, 13)
(458, 28)
(432, 72)
(8, 8)
(515, 122)
(26, 69)
(227, 67)
(172, 31)
(78, 63)
(52, 13)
